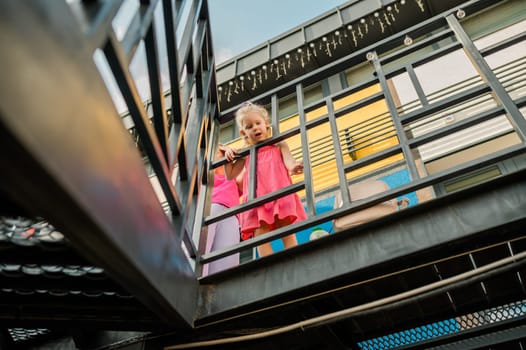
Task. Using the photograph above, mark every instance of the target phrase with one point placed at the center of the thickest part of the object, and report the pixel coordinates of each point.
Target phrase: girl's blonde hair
(248, 107)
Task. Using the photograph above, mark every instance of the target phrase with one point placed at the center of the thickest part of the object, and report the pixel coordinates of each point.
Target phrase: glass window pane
(444, 72)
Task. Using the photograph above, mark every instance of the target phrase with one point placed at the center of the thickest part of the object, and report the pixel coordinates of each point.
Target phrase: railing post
(309, 190)
(391, 106)
(346, 198)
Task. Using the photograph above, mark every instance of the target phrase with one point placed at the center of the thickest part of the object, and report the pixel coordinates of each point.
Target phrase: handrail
(349, 208)
(470, 100)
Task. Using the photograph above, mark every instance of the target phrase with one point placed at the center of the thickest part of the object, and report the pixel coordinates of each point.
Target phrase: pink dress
(272, 175)
(225, 191)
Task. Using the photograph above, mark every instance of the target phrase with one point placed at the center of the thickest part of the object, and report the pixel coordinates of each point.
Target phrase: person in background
(223, 233)
(275, 164)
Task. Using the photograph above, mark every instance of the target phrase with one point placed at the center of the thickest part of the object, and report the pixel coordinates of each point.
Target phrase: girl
(275, 163)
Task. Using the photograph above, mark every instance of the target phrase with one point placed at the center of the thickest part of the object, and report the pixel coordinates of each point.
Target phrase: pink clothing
(272, 175)
(225, 191)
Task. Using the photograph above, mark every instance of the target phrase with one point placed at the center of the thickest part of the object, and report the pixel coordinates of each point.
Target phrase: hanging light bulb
(264, 68)
(391, 14)
(254, 81)
(301, 57)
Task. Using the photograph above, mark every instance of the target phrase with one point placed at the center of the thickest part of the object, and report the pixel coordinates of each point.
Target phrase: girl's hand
(296, 169)
(227, 152)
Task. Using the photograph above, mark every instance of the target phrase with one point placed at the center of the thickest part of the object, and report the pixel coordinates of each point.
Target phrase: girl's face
(255, 127)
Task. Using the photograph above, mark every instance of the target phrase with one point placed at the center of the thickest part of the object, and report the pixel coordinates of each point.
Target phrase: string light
(254, 82)
(337, 34)
(420, 4)
(242, 79)
(353, 33)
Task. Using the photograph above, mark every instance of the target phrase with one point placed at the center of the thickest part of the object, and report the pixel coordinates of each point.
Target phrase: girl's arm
(294, 167)
(234, 168)
(239, 182)
(235, 165)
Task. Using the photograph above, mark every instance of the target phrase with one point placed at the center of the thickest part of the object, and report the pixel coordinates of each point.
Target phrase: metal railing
(495, 94)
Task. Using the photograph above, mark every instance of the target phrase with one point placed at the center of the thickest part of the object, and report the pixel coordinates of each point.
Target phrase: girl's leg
(264, 249)
(290, 240)
(222, 234)
(227, 234)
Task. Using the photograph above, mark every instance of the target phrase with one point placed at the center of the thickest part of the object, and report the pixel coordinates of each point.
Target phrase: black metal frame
(96, 190)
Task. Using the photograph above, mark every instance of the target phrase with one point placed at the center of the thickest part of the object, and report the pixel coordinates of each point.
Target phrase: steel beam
(66, 156)
(427, 226)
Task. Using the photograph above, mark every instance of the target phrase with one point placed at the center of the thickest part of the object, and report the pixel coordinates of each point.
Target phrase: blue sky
(239, 25)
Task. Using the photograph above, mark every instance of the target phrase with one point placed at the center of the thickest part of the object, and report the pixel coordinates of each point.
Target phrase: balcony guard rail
(497, 92)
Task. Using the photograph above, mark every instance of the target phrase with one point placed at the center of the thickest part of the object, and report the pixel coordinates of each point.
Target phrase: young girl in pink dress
(275, 163)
